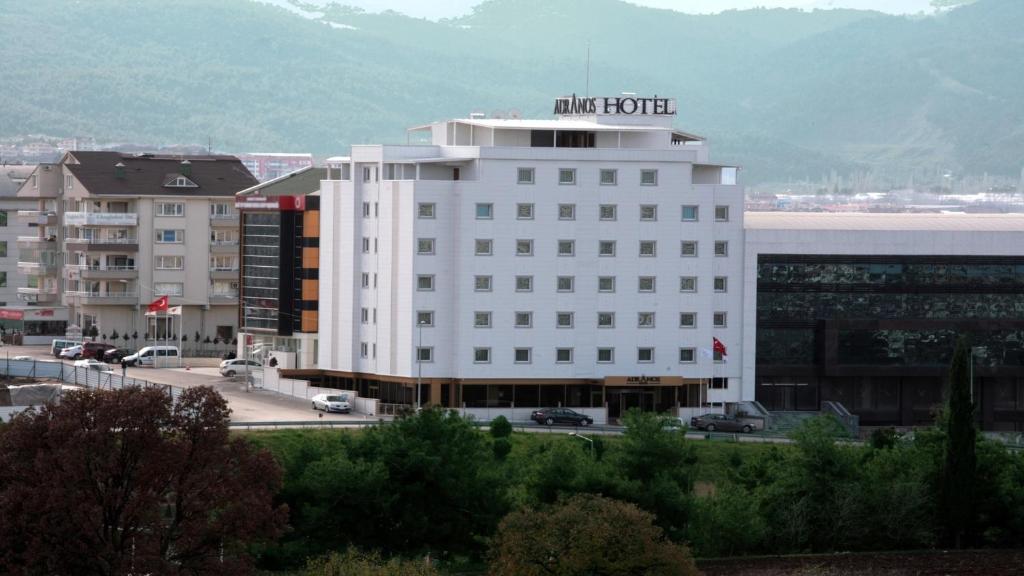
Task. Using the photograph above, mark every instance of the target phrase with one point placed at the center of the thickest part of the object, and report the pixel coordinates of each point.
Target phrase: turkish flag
(159, 305)
(718, 346)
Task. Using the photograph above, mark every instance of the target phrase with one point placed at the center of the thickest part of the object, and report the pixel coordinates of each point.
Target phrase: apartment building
(280, 267)
(587, 261)
(116, 231)
(266, 166)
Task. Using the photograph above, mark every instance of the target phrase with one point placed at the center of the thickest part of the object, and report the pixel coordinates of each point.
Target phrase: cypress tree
(956, 497)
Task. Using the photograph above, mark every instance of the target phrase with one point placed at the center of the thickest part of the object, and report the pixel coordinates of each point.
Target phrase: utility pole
(419, 364)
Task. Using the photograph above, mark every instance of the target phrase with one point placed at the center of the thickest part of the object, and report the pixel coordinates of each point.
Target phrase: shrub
(501, 447)
(500, 427)
(355, 563)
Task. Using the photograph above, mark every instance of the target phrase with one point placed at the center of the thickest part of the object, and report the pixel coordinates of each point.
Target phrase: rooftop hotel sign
(617, 105)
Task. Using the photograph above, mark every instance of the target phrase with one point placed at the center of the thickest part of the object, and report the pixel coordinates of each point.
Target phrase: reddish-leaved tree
(129, 482)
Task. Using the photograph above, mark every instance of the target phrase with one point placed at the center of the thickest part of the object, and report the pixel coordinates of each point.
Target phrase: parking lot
(246, 406)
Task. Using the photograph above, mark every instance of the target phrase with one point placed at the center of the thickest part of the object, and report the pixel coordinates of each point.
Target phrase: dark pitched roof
(301, 182)
(145, 175)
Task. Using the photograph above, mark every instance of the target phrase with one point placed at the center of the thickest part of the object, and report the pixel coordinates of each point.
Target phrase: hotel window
(648, 248)
(566, 283)
(648, 177)
(606, 248)
(170, 236)
(524, 247)
(718, 359)
(608, 211)
(564, 319)
(482, 283)
(374, 245)
(170, 262)
(424, 318)
(645, 320)
(719, 319)
(364, 349)
(566, 175)
(524, 176)
(168, 288)
(648, 212)
(606, 355)
(609, 177)
(364, 315)
(524, 211)
(687, 320)
(690, 213)
(366, 209)
(646, 284)
(566, 247)
(687, 283)
(3, 219)
(374, 349)
(645, 355)
(566, 211)
(366, 280)
(366, 245)
(426, 210)
(606, 319)
(224, 263)
(484, 211)
(721, 284)
(524, 283)
(367, 173)
(688, 248)
(170, 209)
(524, 319)
(484, 247)
(481, 319)
(721, 213)
(425, 246)
(721, 248)
(221, 237)
(424, 282)
(563, 355)
(424, 354)
(374, 320)
(687, 355)
(606, 283)
(481, 355)
(522, 355)
(376, 213)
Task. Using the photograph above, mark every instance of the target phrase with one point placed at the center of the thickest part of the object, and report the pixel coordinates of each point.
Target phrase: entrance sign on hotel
(616, 105)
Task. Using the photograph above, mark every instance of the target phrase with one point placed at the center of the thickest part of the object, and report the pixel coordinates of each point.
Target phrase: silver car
(332, 403)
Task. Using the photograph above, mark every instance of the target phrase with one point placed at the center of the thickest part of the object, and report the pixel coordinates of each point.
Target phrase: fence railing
(79, 376)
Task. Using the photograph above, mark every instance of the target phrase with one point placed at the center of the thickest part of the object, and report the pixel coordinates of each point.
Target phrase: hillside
(787, 94)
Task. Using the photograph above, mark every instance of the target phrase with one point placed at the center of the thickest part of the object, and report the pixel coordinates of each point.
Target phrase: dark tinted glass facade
(877, 334)
(261, 253)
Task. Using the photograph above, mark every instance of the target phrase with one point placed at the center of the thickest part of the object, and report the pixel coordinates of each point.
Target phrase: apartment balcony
(223, 298)
(38, 268)
(103, 272)
(127, 297)
(224, 274)
(40, 217)
(37, 242)
(119, 219)
(99, 244)
(224, 220)
(41, 295)
(224, 247)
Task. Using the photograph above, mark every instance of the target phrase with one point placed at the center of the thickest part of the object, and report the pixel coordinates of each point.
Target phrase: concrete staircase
(785, 422)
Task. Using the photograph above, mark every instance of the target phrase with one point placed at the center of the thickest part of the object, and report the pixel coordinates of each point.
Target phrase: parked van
(59, 344)
(153, 356)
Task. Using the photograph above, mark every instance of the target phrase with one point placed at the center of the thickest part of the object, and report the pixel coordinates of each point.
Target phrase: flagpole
(181, 328)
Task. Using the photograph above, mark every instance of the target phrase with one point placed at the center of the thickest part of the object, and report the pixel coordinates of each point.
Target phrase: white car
(93, 364)
(332, 403)
(236, 366)
(72, 353)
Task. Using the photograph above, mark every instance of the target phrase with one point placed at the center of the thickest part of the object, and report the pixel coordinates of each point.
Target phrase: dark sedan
(114, 355)
(551, 416)
(721, 423)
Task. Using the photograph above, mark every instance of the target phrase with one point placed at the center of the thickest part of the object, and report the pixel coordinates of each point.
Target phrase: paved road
(246, 406)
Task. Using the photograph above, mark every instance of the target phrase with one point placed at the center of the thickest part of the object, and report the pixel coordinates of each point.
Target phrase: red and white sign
(274, 203)
(11, 314)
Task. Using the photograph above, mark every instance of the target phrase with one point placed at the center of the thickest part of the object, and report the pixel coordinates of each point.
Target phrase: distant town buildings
(268, 166)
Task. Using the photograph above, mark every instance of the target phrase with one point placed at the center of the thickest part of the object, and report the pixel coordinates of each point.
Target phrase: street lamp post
(419, 364)
(582, 437)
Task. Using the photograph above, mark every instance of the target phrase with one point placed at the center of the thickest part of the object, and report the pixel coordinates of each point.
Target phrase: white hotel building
(586, 261)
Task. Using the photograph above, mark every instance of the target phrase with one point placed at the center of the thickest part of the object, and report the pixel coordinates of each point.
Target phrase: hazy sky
(435, 9)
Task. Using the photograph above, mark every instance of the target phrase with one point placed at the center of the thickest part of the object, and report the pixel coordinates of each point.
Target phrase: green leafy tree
(500, 427)
(960, 463)
(586, 535)
(501, 448)
(355, 563)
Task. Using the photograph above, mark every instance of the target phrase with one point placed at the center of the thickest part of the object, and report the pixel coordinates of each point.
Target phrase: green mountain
(787, 94)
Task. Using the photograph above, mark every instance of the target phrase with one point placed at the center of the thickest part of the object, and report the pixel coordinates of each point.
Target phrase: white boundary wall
(271, 380)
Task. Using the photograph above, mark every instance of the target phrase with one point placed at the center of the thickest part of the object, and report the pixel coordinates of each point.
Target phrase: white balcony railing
(92, 240)
(101, 219)
(232, 216)
(103, 268)
(224, 243)
(101, 294)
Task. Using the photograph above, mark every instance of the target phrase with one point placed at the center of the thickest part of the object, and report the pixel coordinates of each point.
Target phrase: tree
(114, 335)
(500, 427)
(586, 535)
(135, 336)
(122, 482)
(356, 563)
(960, 463)
(126, 337)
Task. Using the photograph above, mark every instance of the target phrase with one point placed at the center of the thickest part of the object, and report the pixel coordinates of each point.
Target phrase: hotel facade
(586, 261)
